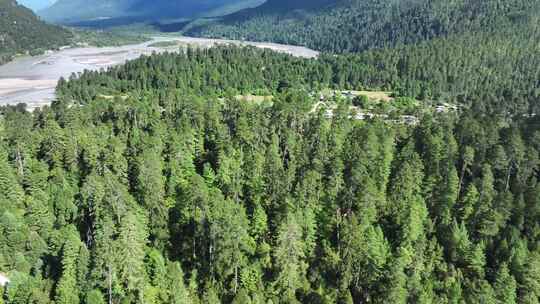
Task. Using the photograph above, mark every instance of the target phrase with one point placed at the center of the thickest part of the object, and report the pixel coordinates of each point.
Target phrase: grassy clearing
(375, 95)
(111, 97)
(257, 99)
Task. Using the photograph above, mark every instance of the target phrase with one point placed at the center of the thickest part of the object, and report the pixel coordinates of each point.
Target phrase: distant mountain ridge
(73, 11)
(283, 5)
(21, 31)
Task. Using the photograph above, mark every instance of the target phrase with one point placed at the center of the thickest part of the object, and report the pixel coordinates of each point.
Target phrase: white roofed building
(4, 280)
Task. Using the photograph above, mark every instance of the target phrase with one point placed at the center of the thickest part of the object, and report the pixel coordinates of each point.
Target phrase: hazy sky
(36, 4)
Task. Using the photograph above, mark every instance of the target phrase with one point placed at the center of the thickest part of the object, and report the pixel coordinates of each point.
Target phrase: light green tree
(505, 286)
(289, 258)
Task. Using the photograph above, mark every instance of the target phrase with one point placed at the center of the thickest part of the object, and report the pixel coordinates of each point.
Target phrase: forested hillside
(274, 6)
(127, 11)
(153, 183)
(356, 25)
(22, 32)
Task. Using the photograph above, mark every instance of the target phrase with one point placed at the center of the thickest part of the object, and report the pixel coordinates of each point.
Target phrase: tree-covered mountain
(355, 25)
(76, 11)
(286, 5)
(21, 31)
(186, 9)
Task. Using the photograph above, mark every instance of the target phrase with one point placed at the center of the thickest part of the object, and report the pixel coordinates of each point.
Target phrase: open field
(254, 98)
(374, 95)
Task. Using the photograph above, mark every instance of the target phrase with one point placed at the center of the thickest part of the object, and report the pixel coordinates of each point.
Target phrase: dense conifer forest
(503, 82)
(153, 183)
(22, 32)
(240, 175)
(343, 26)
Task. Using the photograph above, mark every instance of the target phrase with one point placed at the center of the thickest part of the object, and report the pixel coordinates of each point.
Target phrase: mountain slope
(73, 11)
(183, 8)
(355, 25)
(284, 5)
(22, 31)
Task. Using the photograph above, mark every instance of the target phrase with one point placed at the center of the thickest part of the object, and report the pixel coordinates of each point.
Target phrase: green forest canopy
(152, 183)
(174, 191)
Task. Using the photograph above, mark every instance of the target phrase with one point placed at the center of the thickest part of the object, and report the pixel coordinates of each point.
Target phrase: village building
(4, 280)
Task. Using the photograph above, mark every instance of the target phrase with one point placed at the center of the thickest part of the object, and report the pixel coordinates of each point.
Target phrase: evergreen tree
(505, 286)
(67, 290)
(289, 258)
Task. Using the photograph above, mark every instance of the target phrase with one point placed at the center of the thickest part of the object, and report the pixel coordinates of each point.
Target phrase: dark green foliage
(343, 26)
(176, 191)
(23, 32)
(502, 83)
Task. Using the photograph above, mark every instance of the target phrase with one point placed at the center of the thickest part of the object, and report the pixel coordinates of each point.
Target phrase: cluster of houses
(445, 107)
(331, 94)
(361, 114)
